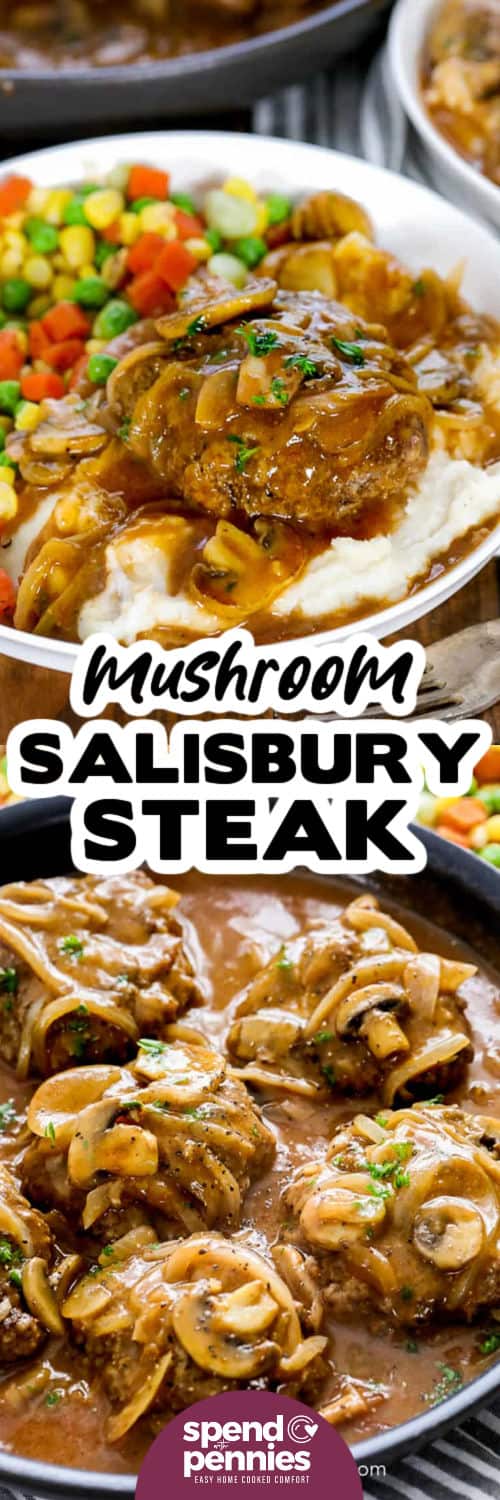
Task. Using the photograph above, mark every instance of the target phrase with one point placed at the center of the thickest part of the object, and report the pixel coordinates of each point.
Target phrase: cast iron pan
(462, 892)
(225, 78)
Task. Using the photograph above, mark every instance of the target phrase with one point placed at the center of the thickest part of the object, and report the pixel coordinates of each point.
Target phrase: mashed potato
(453, 497)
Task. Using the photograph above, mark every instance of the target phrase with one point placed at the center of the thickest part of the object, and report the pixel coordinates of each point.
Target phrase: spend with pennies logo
(243, 1442)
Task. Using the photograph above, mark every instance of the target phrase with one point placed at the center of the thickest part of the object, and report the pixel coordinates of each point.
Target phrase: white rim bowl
(413, 222)
(451, 173)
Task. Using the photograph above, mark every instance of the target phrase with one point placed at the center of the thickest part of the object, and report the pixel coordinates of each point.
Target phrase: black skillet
(463, 894)
(198, 83)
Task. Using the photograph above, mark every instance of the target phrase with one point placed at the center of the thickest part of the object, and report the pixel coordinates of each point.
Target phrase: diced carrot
(36, 387)
(453, 836)
(64, 355)
(7, 594)
(38, 340)
(11, 354)
(14, 191)
(189, 226)
(147, 182)
(142, 255)
(149, 295)
(174, 264)
(113, 233)
(464, 814)
(488, 768)
(65, 321)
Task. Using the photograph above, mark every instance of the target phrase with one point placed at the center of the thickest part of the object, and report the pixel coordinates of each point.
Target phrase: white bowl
(410, 220)
(455, 177)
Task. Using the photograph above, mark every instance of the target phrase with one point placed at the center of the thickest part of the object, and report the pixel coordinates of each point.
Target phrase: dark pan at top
(192, 85)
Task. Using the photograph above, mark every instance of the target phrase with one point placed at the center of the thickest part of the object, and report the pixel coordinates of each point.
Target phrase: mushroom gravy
(49, 1409)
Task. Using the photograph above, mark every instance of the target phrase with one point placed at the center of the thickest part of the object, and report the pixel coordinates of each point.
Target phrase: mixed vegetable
(472, 821)
(78, 266)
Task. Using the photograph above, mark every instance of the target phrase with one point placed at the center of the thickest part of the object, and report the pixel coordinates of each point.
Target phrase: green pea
(250, 249)
(491, 853)
(278, 208)
(114, 319)
(99, 367)
(2, 441)
(490, 798)
(182, 200)
(214, 239)
(43, 237)
(90, 291)
(16, 294)
(74, 211)
(102, 253)
(6, 462)
(139, 203)
(10, 391)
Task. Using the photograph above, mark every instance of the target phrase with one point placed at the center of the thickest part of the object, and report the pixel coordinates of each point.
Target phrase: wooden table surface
(28, 692)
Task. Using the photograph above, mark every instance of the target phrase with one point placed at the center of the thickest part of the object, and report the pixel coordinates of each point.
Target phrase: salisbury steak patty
(272, 403)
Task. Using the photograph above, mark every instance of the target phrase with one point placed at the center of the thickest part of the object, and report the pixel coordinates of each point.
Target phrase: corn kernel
(22, 339)
(8, 501)
(38, 271)
(492, 829)
(129, 228)
(78, 245)
(160, 219)
(37, 201)
(95, 346)
(199, 248)
(103, 207)
(28, 417)
(262, 220)
(63, 287)
(55, 205)
(9, 475)
(10, 263)
(87, 270)
(14, 240)
(240, 189)
(59, 262)
(14, 221)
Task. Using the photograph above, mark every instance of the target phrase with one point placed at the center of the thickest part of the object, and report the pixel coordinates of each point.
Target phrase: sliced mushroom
(221, 305)
(126, 1150)
(364, 913)
(58, 1101)
(182, 1075)
(369, 1013)
(341, 1211)
(240, 573)
(198, 1321)
(437, 1052)
(65, 428)
(40, 1296)
(119, 1425)
(268, 1034)
(134, 373)
(421, 979)
(449, 1232)
(329, 216)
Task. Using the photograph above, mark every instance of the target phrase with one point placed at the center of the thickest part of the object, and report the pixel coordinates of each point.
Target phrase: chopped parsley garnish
(124, 430)
(407, 1293)
(450, 1381)
(10, 1255)
(381, 1120)
(438, 1099)
(243, 454)
(50, 1131)
(53, 1398)
(301, 362)
(195, 327)
(380, 1190)
(259, 343)
(330, 1075)
(108, 1250)
(8, 981)
(153, 1046)
(419, 288)
(16, 1279)
(490, 1344)
(123, 979)
(72, 945)
(279, 390)
(184, 393)
(259, 400)
(322, 1036)
(350, 351)
(283, 961)
(7, 1114)
(411, 1347)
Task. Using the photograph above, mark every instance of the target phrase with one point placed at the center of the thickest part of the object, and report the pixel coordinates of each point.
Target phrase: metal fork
(461, 678)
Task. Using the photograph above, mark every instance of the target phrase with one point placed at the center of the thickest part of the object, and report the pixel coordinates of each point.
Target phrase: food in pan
(472, 821)
(461, 83)
(229, 409)
(88, 964)
(43, 34)
(354, 1007)
(172, 1223)
(404, 1214)
(173, 1138)
(171, 1324)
